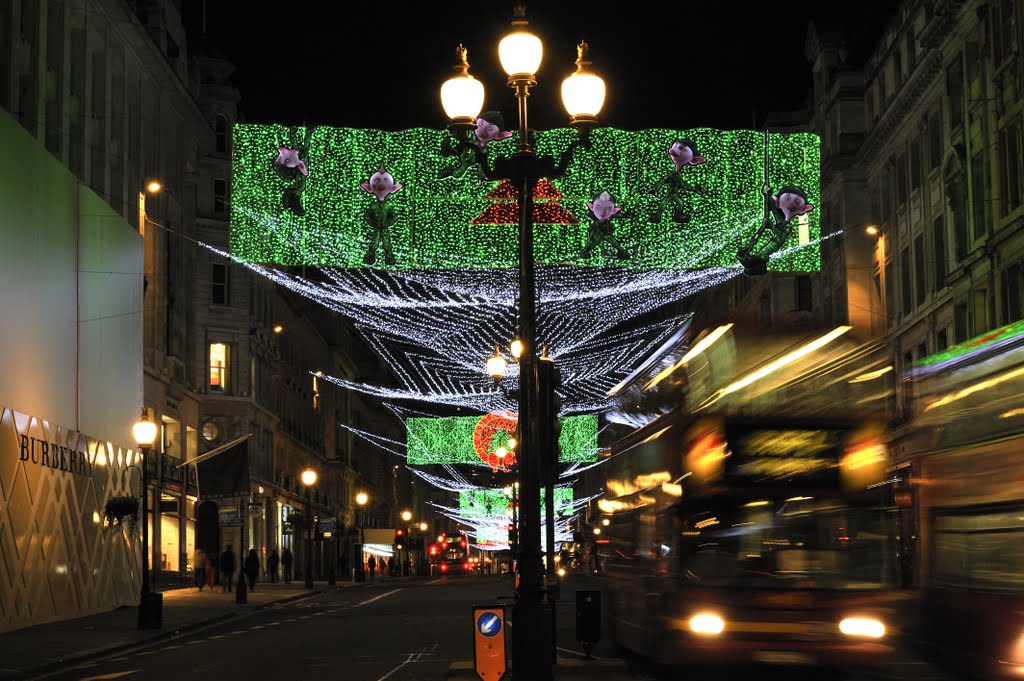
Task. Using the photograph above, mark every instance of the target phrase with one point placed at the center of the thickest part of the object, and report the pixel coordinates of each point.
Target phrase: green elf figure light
(683, 152)
(601, 232)
(779, 211)
(380, 216)
(473, 151)
(291, 167)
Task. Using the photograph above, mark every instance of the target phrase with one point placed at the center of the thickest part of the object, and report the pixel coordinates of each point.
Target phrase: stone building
(104, 96)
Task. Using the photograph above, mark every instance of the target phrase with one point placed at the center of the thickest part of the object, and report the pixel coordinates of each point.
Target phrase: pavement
(36, 651)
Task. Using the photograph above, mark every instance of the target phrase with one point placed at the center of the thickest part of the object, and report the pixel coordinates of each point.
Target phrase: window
(803, 292)
(941, 341)
(980, 319)
(911, 46)
(939, 244)
(218, 284)
(1003, 23)
(906, 294)
(220, 128)
(915, 164)
(1012, 280)
(960, 322)
(919, 269)
(901, 181)
(897, 68)
(886, 197)
(220, 196)
(978, 194)
(935, 148)
(219, 367)
(955, 92)
(1010, 166)
(972, 55)
(890, 294)
(316, 393)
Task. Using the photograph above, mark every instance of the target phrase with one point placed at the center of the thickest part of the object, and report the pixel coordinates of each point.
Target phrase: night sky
(674, 65)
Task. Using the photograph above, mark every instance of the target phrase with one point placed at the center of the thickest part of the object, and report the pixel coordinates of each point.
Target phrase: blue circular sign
(488, 624)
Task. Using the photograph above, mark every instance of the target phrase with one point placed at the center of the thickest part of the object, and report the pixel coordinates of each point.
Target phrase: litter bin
(588, 619)
(151, 610)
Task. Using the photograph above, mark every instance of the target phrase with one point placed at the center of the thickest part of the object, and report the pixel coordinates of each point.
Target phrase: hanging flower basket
(122, 510)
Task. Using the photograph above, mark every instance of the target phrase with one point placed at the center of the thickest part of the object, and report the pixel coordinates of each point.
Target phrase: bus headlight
(867, 627)
(707, 623)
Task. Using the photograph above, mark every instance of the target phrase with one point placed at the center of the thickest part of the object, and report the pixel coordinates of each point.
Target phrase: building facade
(128, 305)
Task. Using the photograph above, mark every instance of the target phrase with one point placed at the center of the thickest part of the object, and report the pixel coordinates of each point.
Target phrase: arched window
(221, 129)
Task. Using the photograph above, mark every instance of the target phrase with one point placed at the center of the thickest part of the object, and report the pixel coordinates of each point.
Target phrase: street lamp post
(404, 567)
(309, 479)
(360, 574)
(462, 98)
(150, 604)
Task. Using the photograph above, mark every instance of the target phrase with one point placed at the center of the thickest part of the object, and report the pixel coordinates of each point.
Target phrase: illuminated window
(219, 367)
(316, 393)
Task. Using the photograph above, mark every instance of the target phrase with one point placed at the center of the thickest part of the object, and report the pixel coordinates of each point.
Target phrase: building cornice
(896, 114)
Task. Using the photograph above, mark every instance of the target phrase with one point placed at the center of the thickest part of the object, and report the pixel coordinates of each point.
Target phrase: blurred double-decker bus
(753, 522)
(960, 465)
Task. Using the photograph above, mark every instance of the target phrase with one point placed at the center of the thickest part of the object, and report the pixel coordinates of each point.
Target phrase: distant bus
(450, 555)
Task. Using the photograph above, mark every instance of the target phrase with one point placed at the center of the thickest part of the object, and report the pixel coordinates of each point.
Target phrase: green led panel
(467, 222)
(483, 503)
(450, 439)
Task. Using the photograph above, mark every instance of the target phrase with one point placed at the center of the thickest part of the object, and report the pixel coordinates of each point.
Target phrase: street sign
(229, 516)
(328, 524)
(489, 658)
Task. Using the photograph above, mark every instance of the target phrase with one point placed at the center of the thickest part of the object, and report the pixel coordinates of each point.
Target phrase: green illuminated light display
(467, 222)
(449, 439)
(483, 503)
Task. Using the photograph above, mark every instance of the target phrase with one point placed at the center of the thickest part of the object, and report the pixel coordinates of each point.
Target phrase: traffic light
(511, 534)
(399, 538)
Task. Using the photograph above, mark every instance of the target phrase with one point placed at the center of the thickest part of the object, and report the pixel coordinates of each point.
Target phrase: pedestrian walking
(372, 565)
(286, 564)
(252, 568)
(391, 566)
(199, 569)
(211, 572)
(272, 561)
(227, 568)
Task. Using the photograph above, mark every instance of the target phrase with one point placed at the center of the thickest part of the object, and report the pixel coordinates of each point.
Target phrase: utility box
(588, 619)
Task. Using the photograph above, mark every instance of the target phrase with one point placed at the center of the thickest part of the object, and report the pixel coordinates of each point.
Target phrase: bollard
(588, 619)
(241, 596)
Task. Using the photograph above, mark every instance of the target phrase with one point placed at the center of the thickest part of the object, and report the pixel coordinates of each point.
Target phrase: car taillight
(465, 566)
(444, 568)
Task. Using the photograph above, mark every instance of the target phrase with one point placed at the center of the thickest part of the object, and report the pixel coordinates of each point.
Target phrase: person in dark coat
(272, 561)
(227, 567)
(286, 564)
(372, 565)
(252, 568)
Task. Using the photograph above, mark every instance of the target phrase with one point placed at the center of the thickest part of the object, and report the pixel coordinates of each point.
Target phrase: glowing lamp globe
(462, 95)
(362, 498)
(144, 430)
(583, 92)
(309, 477)
(520, 53)
(496, 364)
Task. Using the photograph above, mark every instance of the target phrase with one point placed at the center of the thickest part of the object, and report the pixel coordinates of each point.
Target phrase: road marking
(577, 653)
(375, 598)
(440, 579)
(190, 643)
(238, 631)
(217, 636)
(411, 657)
(172, 647)
(112, 675)
(257, 626)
